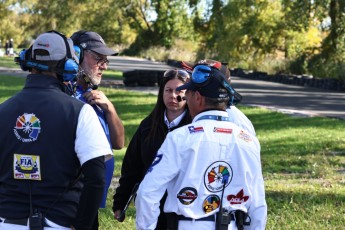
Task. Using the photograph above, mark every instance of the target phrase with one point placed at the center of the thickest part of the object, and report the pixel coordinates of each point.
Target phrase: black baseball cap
(90, 40)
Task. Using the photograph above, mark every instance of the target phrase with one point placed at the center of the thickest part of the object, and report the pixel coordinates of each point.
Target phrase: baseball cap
(54, 45)
(90, 40)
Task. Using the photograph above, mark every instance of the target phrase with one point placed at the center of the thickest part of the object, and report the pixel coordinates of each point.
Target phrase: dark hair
(157, 113)
(218, 103)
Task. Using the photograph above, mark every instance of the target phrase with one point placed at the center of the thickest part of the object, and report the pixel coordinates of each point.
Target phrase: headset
(79, 52)
(79, 47)
(67, 67)
(202, 76)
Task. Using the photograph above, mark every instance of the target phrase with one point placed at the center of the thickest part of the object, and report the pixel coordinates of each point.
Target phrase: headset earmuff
(77, 47)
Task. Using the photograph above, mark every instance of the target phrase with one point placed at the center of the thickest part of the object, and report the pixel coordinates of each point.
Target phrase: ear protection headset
(67, 67)
(78, 47)
(202, 76)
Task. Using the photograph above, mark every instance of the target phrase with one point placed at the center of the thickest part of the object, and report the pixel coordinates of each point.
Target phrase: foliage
(303, 37)
(181, 50)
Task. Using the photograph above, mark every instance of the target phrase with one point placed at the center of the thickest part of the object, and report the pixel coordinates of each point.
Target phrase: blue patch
(193, 129)
(155, 162)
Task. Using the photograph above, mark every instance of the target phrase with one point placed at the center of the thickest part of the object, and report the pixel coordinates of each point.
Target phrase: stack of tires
(142, 77)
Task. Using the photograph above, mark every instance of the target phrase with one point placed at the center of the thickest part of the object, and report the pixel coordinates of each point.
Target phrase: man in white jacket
(210, 168)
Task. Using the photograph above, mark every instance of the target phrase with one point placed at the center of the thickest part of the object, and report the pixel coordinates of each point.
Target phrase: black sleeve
(131, 172)
(92, 192)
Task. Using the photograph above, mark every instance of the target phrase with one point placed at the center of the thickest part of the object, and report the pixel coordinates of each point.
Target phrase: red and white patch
(222, 130)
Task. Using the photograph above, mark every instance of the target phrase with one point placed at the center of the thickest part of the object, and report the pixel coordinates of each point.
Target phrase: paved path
(290, 99)
(295, 100)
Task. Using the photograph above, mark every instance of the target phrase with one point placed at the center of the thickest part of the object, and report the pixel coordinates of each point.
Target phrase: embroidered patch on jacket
(157, 159)
(211, 203)
(27, 128)
(222, 130)
(193, 129)
(245, 136)
(187, 195)
(239, 198)
(26, 167)
(216, 175)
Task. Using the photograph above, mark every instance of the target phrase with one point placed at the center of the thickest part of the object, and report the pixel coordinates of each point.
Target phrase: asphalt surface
(290, 99)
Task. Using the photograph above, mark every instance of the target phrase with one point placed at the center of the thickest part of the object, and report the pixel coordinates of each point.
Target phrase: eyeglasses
(100, 61)
(176, 73)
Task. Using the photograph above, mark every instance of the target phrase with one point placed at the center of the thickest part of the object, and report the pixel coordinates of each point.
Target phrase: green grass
(112, 74)
(8, 62)
(303, 162)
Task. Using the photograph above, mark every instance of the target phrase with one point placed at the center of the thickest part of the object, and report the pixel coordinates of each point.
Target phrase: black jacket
(138, 158)
(38, 129)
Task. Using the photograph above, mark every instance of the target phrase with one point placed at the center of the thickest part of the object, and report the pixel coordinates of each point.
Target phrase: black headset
(215, 73)
(67, 67)
(78, 47)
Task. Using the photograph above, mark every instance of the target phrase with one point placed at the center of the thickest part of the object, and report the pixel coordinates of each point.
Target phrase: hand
(98, 97)
(117, 214)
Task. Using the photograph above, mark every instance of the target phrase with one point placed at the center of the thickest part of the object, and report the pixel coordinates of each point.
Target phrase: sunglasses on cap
(176, 73)
(202, 75)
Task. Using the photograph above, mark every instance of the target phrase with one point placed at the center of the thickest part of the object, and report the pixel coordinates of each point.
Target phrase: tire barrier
(301, 80)
(142, 77)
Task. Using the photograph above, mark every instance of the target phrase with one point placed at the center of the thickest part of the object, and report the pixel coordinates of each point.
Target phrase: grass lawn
(303, 162)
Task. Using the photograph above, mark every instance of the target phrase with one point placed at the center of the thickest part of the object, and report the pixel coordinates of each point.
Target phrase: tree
(157, 22)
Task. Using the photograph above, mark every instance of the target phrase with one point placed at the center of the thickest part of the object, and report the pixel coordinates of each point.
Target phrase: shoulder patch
(193, 129)
(222, 130)
(245, 136)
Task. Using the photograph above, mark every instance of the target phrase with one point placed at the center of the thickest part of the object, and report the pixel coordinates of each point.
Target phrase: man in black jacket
(48, 140)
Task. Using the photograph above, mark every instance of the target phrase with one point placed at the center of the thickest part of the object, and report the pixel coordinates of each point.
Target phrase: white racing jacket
(194, 162)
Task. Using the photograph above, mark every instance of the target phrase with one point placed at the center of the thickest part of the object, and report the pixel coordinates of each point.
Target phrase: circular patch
(211, 203)
(217, 174)
(27, 127)
(187, 195)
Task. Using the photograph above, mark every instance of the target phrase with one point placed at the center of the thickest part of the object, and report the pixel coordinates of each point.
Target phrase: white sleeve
(240, 119)
(163, 170)
(91, 141)
(257, 210)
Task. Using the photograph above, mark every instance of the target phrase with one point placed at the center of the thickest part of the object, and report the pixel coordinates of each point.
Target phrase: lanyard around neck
(214, 117)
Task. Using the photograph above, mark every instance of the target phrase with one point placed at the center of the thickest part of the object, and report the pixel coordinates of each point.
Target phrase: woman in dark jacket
(170, 112)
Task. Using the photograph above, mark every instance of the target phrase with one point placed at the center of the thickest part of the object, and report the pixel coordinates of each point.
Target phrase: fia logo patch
(216, 175)
(27, 127)
(26, 167)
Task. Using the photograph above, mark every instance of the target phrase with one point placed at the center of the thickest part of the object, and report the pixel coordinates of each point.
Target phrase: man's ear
(200, 100)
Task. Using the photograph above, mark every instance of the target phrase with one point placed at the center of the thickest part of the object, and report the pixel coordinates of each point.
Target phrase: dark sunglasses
(202, 74)
(176, 73)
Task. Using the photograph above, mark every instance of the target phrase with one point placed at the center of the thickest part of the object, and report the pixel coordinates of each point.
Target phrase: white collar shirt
(175, 122)
(192, 164)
